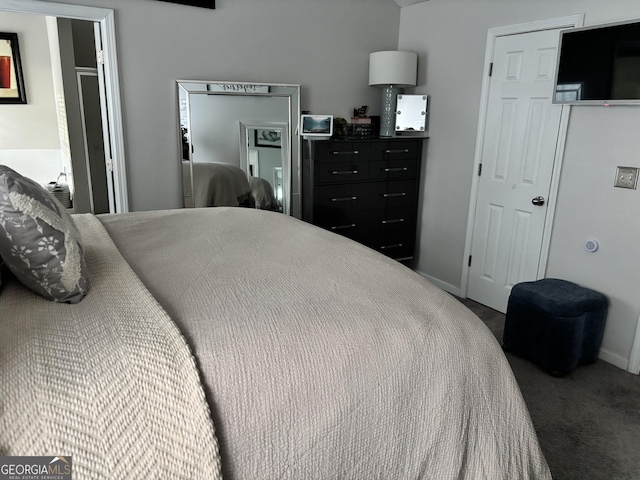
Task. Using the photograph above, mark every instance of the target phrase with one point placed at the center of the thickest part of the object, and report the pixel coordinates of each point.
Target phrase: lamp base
(388, 113)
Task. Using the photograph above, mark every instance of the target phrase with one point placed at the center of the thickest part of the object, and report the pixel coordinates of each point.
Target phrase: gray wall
(322, 45)
(450, 36)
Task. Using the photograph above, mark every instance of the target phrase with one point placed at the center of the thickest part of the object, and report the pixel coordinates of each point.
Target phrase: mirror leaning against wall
(239, 145)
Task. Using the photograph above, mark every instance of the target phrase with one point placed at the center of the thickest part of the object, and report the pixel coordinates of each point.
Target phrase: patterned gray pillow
(39, 241)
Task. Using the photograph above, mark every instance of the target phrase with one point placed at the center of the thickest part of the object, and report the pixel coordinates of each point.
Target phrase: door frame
(106, 18)
(571, 21)
(634, 357)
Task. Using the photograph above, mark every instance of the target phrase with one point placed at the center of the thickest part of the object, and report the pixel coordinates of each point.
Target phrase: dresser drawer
(342, 172)
(345, 198)
(398, 221)
(397, 250)
(330, 152)
(397, 150)
(391, 194)
(396, 168)
(349, 224)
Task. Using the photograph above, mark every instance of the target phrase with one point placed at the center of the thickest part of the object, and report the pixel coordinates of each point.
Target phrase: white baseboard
(614, 359)
(447, 287)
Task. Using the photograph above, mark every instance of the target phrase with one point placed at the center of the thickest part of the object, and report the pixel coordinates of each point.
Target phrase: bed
(219, 185)
(263, 195)
(271, 349)
(225, 185)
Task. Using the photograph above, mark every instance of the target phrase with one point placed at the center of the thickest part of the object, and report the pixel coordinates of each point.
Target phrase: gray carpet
(588, 422)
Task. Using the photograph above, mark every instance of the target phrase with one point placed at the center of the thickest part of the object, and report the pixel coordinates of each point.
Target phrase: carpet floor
(588, 422)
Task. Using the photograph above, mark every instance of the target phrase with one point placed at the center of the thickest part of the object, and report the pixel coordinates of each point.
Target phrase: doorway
(518, 157)
(108, 78)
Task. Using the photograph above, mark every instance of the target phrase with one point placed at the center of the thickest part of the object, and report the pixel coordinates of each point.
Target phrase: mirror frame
(293, 182)
(106, 18)
(283, 127)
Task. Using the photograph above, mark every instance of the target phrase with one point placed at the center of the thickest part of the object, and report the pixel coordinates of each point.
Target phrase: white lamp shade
(393, 68)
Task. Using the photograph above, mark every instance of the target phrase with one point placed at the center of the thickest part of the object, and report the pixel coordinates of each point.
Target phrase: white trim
(613, 359)
(105, 17)
(553, 191)
(571, 21)
(447, 287)
(634, 359)
(85, 72)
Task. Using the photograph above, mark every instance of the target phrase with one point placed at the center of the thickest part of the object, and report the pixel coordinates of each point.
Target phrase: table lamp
(391, 70)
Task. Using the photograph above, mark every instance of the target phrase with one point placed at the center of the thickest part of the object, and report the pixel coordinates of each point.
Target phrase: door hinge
(479, 169)
(109, 164)
(100, 56)
(470, 257)
(491, 69)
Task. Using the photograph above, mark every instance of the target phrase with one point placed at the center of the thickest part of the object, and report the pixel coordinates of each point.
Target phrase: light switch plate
(626, 177)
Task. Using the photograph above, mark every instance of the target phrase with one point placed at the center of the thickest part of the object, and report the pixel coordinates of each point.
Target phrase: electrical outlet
(626, 177)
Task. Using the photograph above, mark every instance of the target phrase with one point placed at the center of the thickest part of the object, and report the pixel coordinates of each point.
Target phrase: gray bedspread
(109, 381)
(322, 359)
(218, 184)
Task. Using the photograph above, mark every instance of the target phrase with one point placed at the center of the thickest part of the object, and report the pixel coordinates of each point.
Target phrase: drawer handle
(355, 152)
(343, 199)
(405, 150)
(343, 227)
(390, 195)
(385, 247)
(396, 169)
(395, 220)
(344, 172)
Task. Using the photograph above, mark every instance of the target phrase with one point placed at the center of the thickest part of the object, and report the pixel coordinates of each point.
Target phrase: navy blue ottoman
(555, 324)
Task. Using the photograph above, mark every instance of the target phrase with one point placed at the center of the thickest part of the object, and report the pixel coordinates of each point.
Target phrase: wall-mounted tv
(599, 65)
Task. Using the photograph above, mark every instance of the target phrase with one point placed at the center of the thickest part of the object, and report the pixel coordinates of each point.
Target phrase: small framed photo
(11, 80)
(317, 125)
(268, 138)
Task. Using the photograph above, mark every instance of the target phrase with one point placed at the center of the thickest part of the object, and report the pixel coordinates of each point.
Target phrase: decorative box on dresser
(365, 189)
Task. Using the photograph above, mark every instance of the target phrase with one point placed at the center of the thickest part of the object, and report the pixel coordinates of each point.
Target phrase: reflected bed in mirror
(239, 145)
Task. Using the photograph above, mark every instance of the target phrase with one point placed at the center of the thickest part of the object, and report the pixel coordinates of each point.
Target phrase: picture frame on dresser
(317, 125)
(12, 89)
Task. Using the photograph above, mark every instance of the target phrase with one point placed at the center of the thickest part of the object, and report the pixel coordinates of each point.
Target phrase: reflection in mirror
(239, 145)
(263, 151)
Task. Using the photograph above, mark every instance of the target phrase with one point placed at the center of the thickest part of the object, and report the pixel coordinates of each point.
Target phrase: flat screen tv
(599, 65)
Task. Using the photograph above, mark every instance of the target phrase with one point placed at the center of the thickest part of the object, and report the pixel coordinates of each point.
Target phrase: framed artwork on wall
(268, 138)
(11, 79)
(195, 3)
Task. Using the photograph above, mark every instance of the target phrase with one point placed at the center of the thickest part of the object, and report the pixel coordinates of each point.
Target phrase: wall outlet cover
(626, 177)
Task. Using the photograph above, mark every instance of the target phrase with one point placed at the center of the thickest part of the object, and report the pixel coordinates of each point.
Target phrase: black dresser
(366, 190)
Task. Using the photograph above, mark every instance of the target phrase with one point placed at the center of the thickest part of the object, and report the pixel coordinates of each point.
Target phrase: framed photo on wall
(268, 138)
(11, 80)
(195, 3)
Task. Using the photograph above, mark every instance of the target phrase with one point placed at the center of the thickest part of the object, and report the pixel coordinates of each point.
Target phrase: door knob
(538, 201)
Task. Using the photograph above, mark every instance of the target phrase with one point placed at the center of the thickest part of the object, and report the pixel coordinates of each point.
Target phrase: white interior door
(519, 147)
